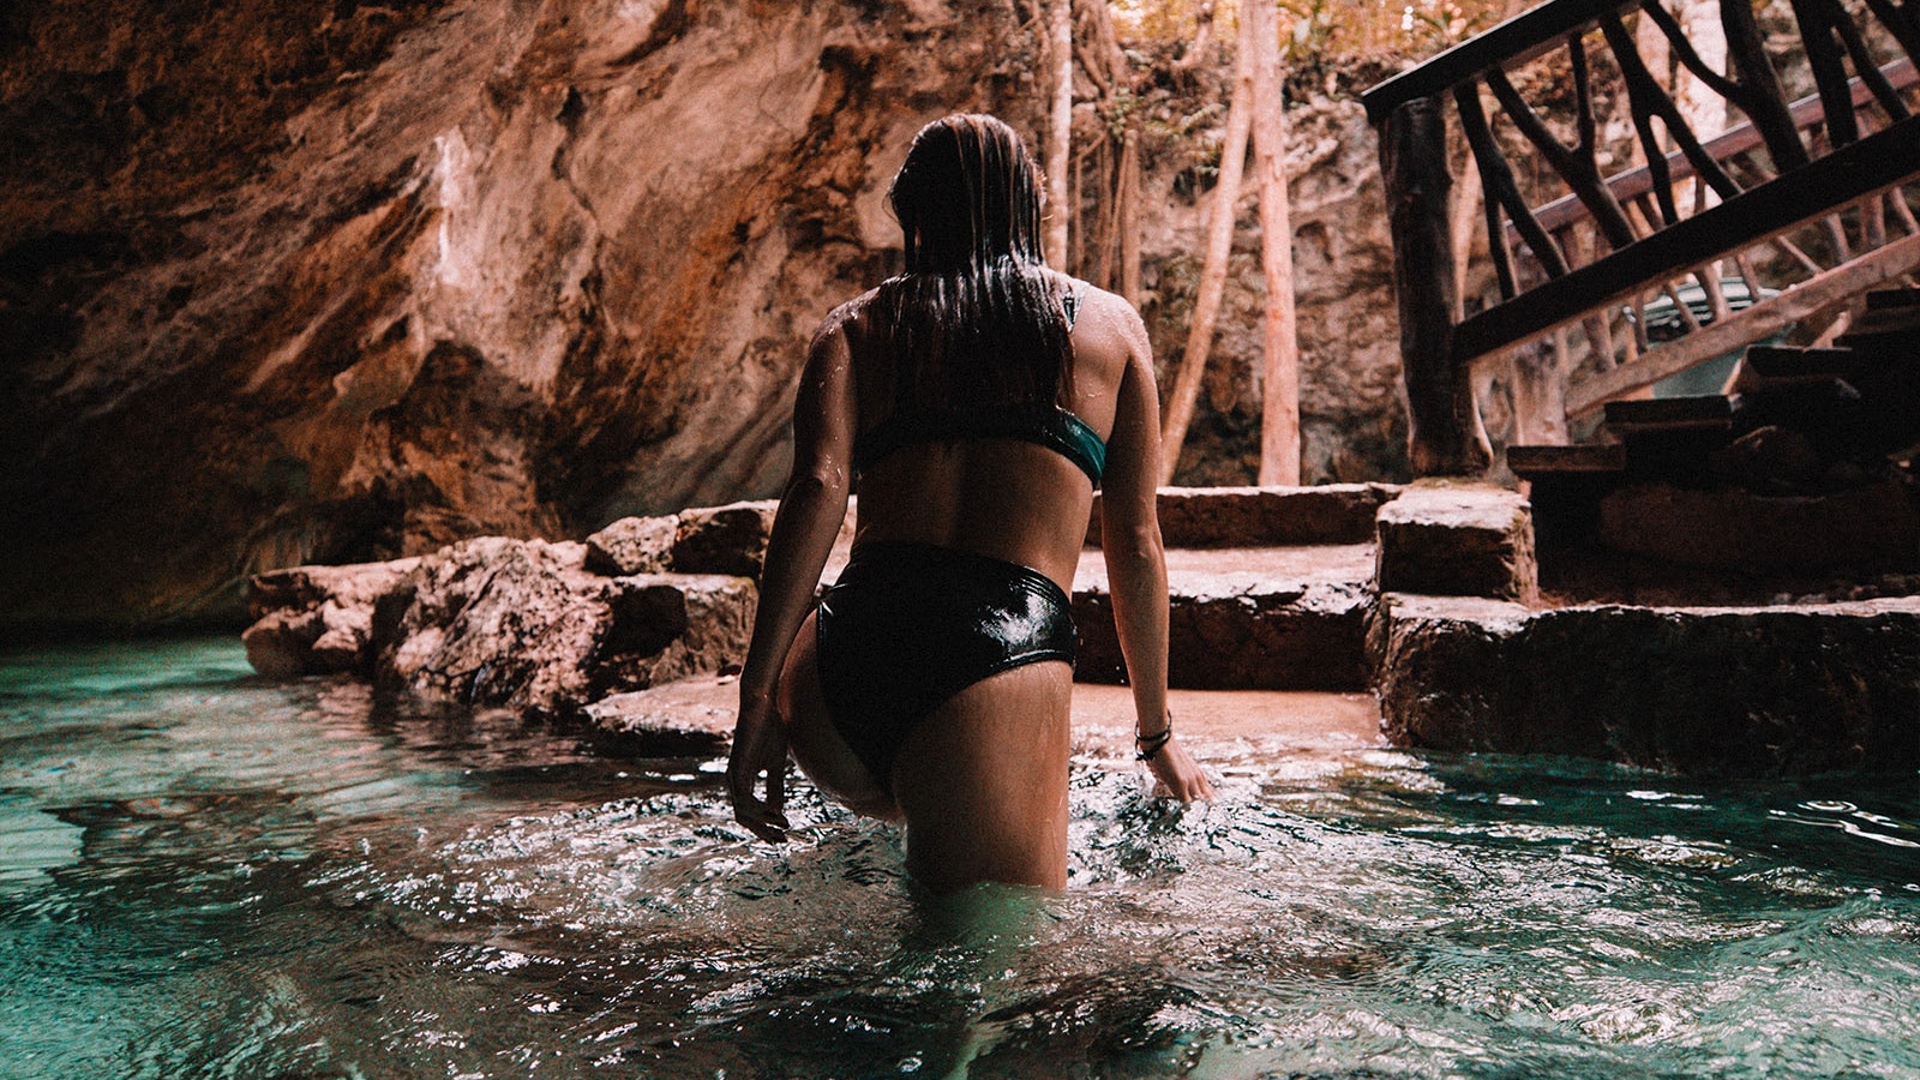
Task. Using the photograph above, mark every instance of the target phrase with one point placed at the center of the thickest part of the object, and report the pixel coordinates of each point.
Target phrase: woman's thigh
(982, 782)
(817, 745)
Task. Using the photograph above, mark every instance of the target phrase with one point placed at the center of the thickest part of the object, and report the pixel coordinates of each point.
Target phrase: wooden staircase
(1821, 435)
(1805, 205)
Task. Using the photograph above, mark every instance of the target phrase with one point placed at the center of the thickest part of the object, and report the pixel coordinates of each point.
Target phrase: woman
(980, 398)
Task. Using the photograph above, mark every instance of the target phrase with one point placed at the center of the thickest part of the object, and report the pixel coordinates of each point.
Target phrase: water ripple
(203, 875)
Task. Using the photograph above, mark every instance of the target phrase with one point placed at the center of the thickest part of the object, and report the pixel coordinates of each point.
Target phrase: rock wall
(326, 282)
(323, 282)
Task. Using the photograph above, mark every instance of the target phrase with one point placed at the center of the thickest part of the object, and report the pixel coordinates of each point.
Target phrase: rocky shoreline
(545, 629)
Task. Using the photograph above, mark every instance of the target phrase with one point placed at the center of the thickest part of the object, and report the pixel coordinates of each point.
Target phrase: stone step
(1264, 618)
(1663, 415)
(1789, 362)
(1784, 690)
(1264, 516)
(1887, 299)
(1312, 731)
(1538, 462)
(1894, 323)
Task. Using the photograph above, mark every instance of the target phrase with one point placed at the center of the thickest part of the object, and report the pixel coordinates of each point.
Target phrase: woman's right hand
(1179, 775)
(759, 749)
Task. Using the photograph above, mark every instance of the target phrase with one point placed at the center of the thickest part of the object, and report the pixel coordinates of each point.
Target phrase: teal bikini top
(1044, 423)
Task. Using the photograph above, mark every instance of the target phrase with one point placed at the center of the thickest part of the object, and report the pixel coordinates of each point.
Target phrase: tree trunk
(1280, 398)
(1213, 273)
(1130, 219)
(1059, 133)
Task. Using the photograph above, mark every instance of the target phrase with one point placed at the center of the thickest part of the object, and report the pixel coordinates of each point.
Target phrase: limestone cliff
(319, 281)
(324, 281)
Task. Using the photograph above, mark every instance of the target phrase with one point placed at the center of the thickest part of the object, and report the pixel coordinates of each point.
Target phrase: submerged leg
(982, 782)
(823, 755)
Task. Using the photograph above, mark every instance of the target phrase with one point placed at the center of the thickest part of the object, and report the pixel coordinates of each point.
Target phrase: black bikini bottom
(909, 625)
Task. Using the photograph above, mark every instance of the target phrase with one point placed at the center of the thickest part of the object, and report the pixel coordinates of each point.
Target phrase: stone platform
(1314, 733)
(1787, 689)
(1278, 593)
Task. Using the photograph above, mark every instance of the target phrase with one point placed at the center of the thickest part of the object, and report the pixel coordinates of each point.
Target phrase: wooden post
(1280, 398)
(1444, 433)
(1213, 272)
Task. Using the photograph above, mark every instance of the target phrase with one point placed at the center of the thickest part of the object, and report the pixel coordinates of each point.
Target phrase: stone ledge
(1734, 692)
(1263, 516)
(1245, 619)
(1457, 540)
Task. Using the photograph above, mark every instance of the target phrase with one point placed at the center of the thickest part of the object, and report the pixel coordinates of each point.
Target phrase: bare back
(1011, 499)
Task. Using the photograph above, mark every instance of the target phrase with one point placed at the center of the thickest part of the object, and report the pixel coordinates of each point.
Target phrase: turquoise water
(207, 875)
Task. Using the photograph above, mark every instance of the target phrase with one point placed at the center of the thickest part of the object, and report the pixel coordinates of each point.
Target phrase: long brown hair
(976, 317)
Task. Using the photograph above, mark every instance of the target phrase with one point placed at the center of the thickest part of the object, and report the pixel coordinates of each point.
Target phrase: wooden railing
(1803, 197)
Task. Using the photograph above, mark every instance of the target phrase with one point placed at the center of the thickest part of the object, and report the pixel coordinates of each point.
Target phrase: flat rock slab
(1282, 735)
(1738, 692)
(688, 717)
(1311, 732)
(1275, 618)
(1233, 517)
(1447, 539)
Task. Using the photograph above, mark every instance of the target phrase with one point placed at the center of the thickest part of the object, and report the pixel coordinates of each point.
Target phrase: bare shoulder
(848, 317)
(1108, 323)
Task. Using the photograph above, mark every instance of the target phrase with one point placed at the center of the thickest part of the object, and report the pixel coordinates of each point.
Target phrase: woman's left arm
(811, 511)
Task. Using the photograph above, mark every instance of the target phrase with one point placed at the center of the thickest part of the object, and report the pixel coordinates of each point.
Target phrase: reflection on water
(202, 874)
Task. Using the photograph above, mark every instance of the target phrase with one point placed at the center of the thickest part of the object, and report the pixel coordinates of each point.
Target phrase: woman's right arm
(1136, 561)
(811, 511)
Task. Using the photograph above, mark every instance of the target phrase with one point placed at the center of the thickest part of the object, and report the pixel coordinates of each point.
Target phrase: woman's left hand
(759, 749)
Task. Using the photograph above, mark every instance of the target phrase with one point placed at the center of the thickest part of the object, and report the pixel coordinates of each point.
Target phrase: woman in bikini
(980, 398)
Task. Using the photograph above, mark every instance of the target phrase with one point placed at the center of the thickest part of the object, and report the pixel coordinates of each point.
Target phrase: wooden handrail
(1445, 433)
(1514, 41)
(1879, 161)
(1806, 112)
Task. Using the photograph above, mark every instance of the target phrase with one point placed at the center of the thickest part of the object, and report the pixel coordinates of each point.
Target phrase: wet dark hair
(976, 317)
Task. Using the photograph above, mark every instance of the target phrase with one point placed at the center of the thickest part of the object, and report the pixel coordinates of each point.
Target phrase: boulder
(1449, 539)
(318, 620)
(1785, 690)
(524, 625)
(280, 643)
(664, 627)
(724, 539)
(633, 545)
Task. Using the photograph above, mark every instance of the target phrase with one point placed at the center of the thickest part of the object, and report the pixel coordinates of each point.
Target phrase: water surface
(204, 874)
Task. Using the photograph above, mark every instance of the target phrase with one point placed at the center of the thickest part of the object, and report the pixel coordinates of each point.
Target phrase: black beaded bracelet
(1151, 745)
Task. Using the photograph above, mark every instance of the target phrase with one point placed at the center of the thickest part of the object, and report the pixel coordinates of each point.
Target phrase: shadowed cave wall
(323, 281)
